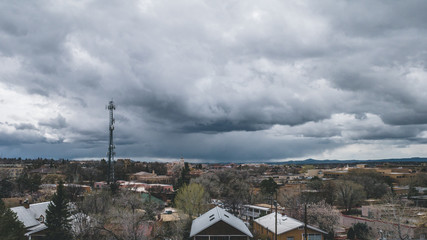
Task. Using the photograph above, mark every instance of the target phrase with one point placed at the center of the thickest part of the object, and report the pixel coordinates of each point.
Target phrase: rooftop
(29, 216)
(215, 215)
(257, 207)
(284, 223)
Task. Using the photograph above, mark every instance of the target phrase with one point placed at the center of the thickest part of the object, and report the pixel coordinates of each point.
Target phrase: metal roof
(257, 207)
(215, 215)
(29, 216)
(36, 229)
(284, 223)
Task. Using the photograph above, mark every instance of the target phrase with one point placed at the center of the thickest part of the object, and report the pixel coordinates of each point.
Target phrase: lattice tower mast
(111, 107)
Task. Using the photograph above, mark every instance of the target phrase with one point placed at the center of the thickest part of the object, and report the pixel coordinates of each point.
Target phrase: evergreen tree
(6, 188)
(269, 186)
(184, 179)
(57, 216)
(360, 231)
(10, 227)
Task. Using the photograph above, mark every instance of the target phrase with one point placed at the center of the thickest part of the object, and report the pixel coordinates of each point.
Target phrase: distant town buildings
(144, 187)
(150, 177)
(12, 171)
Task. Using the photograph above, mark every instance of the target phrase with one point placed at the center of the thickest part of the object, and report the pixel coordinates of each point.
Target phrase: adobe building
(147, 177)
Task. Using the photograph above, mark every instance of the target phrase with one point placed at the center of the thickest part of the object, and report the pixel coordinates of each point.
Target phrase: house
(99, 185)
(33, 217)
(219, 224)
(254, 211)
(287, 228)
(150, 177)
(384, 221)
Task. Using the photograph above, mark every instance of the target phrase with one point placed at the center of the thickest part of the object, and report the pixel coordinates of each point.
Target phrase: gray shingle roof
(215, 215)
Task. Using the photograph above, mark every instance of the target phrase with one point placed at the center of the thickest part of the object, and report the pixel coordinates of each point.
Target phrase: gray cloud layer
(225, 81)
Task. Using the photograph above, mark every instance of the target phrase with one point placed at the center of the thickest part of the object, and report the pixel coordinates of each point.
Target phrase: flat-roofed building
(334, 173)
(314, 173)
(150, 177)
(254, 211)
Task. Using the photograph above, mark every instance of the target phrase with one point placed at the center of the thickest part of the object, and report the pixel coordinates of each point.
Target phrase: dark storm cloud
(214, 80)
(56, 123)
(25, 126)
(225, 126)
(232, 146)
(375, 18)
(20, 137)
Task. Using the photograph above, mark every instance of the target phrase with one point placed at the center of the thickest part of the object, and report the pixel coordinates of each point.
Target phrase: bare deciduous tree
(349, 194)
(229, 185)
(396, 211)
(124, 216)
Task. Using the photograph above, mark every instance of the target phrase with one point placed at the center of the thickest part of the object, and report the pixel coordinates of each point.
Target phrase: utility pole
(305, 221)
(111, 107)
(275, 224)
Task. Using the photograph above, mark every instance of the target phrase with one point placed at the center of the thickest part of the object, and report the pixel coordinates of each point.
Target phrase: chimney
(26, 204)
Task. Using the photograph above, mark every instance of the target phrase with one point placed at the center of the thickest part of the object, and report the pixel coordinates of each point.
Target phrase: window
(312, 236)
(219, 238)
(202, 238)
(290, 238)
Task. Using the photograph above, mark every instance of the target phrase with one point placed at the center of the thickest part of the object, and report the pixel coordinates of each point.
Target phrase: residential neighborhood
(224, 201)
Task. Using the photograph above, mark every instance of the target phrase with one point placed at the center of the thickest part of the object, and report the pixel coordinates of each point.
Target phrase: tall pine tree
(10, 227)
(58, 216)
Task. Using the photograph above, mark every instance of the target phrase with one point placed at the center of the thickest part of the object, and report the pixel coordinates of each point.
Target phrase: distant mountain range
(314, 161)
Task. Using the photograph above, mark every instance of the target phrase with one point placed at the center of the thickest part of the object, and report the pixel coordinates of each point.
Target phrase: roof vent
(26, 203)
(226, 215)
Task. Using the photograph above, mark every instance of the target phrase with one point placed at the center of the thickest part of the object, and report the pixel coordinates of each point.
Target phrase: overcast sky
(230, 81)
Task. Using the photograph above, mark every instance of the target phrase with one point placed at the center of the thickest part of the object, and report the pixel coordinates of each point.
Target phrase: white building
(33, 217)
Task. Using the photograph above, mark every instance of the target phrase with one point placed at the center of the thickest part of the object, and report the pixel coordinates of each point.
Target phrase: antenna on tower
(111, 107)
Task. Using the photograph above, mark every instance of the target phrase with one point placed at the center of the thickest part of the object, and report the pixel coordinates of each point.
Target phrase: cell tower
(111, 107)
